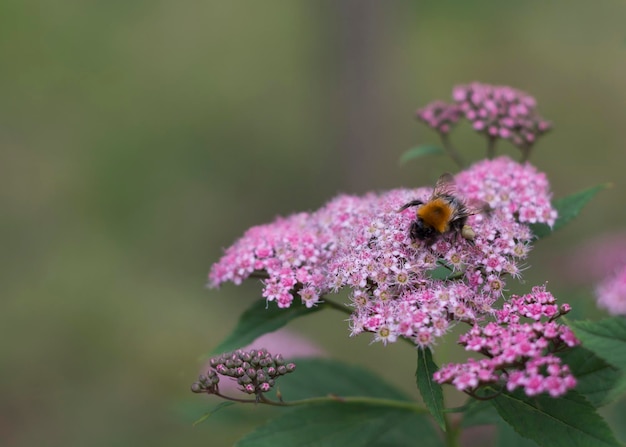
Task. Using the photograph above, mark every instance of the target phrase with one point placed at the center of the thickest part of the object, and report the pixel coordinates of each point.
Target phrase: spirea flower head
(611, 292)
(255, 371)
(519, 346)
(399, 287)
(501, 112)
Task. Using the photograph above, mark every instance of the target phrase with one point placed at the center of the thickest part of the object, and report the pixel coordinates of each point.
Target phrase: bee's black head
(420, 231)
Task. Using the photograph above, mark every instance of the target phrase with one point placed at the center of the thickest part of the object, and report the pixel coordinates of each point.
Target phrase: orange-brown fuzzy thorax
(436, 214)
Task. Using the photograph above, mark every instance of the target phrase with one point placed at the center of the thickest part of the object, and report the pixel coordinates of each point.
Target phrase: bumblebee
(443, 213)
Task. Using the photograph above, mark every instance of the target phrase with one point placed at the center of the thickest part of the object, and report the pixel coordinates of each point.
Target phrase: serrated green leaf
(260, 319)
(217, 408)
(341, 424)
(606, 338)
(316, 377)
(566, 421)
(568, 208)
(598, 381)
(430, 390)
(420, 151)
(482, 412)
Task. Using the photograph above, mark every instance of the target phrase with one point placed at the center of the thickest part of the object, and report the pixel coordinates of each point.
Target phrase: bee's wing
(476, 207)
(445, 186)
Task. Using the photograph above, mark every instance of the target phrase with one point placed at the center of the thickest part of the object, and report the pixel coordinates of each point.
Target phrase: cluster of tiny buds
(255, 371)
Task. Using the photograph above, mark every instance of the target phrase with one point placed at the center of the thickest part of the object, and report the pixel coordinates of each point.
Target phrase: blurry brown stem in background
(451, 150)
(491, 147)
(526, 150)
(358, 36)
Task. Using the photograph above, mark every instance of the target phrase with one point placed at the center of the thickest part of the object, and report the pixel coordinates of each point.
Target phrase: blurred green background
(139, 138)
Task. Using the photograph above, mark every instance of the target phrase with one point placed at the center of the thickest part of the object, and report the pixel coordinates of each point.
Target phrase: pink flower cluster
(611, 292)
(601, 261)
(501, 112)
(590, 261)
(400, 288)
(440, 116)
(289, 254)
(518, 191)
(519, 353)
(496, 111)
(395, 291)
(285, 250)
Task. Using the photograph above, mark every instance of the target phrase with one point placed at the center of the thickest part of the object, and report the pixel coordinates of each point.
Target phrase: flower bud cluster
(207, 383)
(519, 353)
(255, 371)
(501, 112)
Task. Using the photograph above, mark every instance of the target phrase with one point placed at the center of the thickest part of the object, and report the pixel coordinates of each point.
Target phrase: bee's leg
(457, 225)
(411, 203)
(414, 231)
(459, 238)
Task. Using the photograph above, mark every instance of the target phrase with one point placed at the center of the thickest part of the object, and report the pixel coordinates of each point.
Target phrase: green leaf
(430, 390)
(479, 412)
(482, 412)
(420, 151)
(568, 208)
(615, 418)
(341, 424)
(316, 377)
(598, 381)
(441, 272)
(566, 421)
(507, 437)
(217, 408)
(260, 319)
(606, 338)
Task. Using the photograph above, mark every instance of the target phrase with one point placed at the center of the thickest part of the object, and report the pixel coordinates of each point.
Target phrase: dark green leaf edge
(568, 208)
(338, 424)
(605, 338)
(420, 151)
(574, 398)
(431, 391)
(598, 381)
(261, 318)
